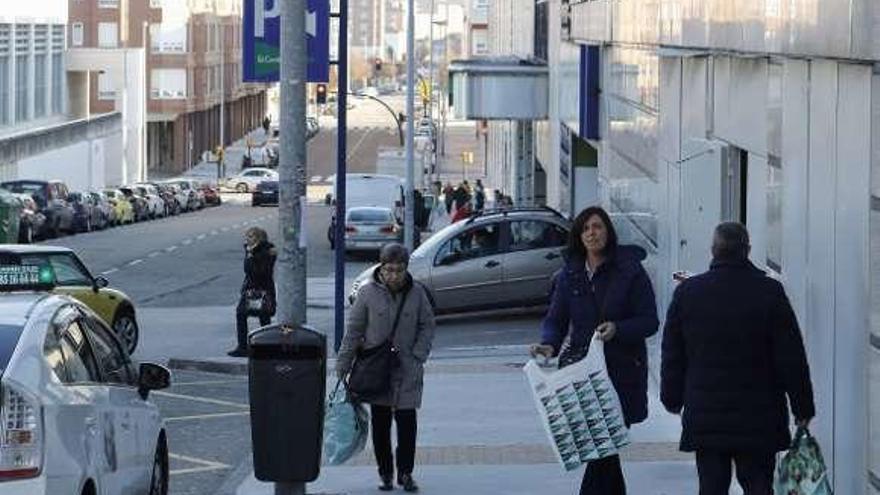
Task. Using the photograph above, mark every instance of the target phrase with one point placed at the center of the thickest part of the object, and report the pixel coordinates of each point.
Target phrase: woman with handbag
(258, 289)
(603, 292)
(387, 340)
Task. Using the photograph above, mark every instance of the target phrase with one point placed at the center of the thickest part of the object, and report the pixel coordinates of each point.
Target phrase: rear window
(35, 189)
(370, 216)
(9, 335)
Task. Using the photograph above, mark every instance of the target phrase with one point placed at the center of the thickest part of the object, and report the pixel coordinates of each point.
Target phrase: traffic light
(321, 94)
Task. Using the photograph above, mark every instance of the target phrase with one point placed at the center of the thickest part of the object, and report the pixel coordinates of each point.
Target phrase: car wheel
(126, 329)
(159, 478)
(242, 188)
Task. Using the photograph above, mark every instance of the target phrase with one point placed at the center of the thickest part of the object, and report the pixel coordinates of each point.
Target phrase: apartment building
(477, 29)
(42, 133)
(193, 63)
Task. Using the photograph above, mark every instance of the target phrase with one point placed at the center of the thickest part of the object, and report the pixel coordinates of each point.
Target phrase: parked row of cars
(48, 209)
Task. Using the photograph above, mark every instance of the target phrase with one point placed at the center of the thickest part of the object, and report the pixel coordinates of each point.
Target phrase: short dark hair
(394, 253)
(731, 242)
(576, 246)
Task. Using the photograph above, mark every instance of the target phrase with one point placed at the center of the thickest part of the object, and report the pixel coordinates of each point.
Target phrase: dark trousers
(406, 439)
(241, 324)
(754, 472)
(603, 477)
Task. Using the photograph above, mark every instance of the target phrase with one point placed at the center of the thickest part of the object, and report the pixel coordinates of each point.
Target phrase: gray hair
(731, 242)
(394, 253)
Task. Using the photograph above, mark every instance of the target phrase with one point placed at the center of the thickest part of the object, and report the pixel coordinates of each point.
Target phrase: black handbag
(257, 302)
(370, 377)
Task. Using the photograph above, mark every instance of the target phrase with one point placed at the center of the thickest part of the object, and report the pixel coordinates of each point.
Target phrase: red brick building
(191, 45)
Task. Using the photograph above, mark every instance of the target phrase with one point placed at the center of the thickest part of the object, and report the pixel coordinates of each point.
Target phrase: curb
(226, 368)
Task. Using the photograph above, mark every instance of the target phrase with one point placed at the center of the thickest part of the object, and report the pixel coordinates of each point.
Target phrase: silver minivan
(498, 259)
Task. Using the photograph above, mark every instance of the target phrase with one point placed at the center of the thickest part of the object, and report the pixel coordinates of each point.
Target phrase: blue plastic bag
(346, 425)
(802, 470)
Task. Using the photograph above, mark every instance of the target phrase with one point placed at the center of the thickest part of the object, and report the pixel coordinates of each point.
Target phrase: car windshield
(35, 189)
(370, 215)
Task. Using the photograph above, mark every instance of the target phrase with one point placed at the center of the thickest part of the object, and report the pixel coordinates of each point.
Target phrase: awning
(499, 89)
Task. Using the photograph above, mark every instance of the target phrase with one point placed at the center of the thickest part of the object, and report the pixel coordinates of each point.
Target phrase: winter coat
(259, 269)
(732, 352)
(620, 292)
(369, 324)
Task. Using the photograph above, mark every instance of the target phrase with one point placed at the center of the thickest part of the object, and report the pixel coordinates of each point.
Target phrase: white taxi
(74, 411)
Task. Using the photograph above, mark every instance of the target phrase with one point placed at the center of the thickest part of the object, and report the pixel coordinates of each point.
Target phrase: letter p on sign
(261, 13)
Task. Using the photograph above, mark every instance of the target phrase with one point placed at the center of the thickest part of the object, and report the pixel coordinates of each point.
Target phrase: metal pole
(431, 66)
(222, 96)
(341, 128)
(444, 97)
(292, 180)
(409, 223)
(144, 162)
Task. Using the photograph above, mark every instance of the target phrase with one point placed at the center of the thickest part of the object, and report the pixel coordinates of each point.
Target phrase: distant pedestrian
(461, 213)
(258, 289)
(479, 197)
(603, 292)
(461, 196)
(448, 192)
(267, 121)
(732, 354)
(392, 295)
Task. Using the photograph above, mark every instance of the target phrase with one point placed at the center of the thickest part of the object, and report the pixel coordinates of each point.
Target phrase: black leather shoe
(237, 353)
(387, 483)
(407, 482)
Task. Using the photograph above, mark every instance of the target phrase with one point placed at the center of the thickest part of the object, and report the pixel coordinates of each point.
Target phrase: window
(106, 91)
(54, 356)
(68, 270)
(108, 4)
(4, 90)
(76, 34)
(474, 243)
(57, 84)
(535, 234)
(155, 4)
(774, 214)
(108, 34)
(114, 364)
(78, 360)
(168, 84)
(41, 84)
(168, 38)
(22, 70)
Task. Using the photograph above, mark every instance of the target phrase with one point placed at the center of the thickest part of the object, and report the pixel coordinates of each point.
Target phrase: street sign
(262, 40)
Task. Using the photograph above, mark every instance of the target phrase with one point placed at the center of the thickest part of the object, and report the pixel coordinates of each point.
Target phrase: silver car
(368, 228)
(248, 179)
(493, 260)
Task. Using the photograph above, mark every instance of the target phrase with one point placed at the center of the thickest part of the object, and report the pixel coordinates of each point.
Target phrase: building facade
(193, 63)
(677, 116)
(42, 135)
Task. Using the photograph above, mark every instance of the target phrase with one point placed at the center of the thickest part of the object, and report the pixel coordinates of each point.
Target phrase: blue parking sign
(262, 40)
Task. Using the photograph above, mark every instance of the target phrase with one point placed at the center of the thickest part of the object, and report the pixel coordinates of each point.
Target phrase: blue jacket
(620, 292)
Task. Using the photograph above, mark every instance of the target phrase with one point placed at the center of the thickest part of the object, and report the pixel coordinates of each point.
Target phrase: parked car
(212, 194)
(172, 207)
(194, 200)
(31, 221)
(77, 418)
(108, 213)
(266, 193)
(51, 197)
(138, 204)
(74, 279)
(155, 203)
(368, 228)
(247, 180)
(124, 210)
(492, 260)
(86, 214)
(181, 197)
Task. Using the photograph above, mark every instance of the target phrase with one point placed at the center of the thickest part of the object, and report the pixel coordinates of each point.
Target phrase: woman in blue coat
(604, 291)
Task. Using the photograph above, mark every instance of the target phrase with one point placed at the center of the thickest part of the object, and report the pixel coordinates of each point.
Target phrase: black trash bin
(287, 370)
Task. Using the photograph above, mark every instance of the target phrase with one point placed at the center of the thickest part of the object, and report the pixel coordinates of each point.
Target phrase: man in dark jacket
(258, 284)
(732, 354)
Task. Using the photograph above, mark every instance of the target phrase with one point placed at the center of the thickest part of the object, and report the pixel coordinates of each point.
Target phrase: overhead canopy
(499, 89)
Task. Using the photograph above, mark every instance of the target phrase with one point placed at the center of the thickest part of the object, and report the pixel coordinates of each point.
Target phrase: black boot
(387, 483)
(407, 482)
(237, 353)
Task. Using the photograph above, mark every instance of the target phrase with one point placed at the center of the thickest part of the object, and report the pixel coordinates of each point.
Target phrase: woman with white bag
(603, 292)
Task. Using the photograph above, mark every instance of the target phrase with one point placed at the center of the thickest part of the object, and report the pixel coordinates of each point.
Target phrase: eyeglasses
(392, 269)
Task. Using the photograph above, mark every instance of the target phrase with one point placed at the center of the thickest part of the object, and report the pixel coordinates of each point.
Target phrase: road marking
(358, 144)
(153, 254)
(108, 272)
(170, 248)
(187, 242)
(204, 465)
(207, 416)
(206, 400)
(215, 232)
(135, 262)
(201, 236)
(225, 229)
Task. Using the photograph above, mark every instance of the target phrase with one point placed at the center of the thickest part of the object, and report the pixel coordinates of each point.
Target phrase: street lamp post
(144, 134)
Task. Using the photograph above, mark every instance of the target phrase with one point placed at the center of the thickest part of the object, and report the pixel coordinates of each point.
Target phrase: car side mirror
(100, 283)
(152, 376)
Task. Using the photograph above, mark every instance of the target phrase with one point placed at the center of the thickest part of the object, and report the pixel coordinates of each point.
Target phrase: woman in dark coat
(604, 292)
(259, 279)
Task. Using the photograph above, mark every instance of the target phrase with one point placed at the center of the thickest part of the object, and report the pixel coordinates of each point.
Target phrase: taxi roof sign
(26, 277)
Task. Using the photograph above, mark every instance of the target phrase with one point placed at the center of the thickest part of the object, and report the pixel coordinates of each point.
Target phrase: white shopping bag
(579, 408)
